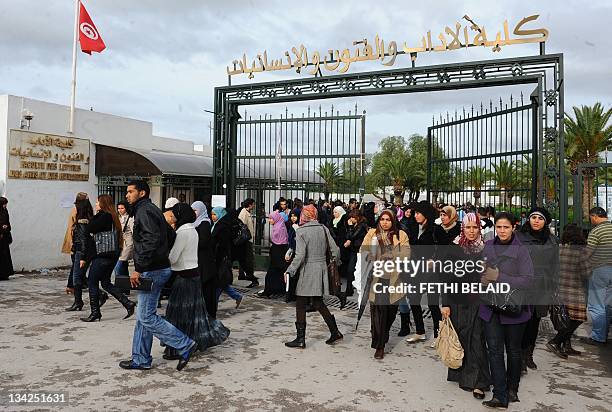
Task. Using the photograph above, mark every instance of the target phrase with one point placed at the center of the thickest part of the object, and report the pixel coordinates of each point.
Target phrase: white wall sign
(218, 200)
(47, 157)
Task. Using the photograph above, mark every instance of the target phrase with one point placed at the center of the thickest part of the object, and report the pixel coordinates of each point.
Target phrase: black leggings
(531, 331)
(317, 303)
(433, 301)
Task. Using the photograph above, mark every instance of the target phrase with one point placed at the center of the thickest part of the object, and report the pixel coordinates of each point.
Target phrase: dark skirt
(187, 311)
(6, 263)
(381, 318)
(274, 277)
(474, 372)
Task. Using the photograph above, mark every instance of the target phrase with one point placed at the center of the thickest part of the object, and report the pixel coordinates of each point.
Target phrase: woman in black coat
(103, 263)
(424, 247)
(80, 237)
(206, 261)
(6, 263)
(222, 245)
(356, 229)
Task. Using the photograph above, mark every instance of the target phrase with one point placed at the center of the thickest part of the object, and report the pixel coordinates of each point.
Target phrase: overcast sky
(164, 58)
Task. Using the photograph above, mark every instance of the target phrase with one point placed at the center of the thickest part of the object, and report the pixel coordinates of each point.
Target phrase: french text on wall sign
(340, 60)
(47, 157)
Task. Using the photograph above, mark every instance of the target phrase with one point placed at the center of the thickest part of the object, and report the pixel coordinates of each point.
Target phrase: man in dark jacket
(151, 251)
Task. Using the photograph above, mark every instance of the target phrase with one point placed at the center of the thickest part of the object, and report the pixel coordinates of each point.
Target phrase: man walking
(599, 244)
(246, 257)
(151, 262)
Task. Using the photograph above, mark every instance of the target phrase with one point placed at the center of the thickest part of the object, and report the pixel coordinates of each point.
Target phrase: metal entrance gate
(317, 154)
(544, 71)
(485, 156)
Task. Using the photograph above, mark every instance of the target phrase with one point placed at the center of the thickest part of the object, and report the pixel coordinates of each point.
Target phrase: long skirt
(6, 263)
(274, 277)
(187, 311)
(474, 372)
(381, 317)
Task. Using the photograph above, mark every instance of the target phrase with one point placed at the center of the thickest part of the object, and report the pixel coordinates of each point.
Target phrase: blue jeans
(600, 302)
(499, 337)
(121, 268)
(404, 305)
(78, 273)
(232, 293)
(149, 323)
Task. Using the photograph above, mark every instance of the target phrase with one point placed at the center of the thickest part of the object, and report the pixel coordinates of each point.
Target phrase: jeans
(404, 305)
(78, 273)
(232, 293)
(100, 273)
(121, 268)
(600, 302)
(149, 323)
(498, 337)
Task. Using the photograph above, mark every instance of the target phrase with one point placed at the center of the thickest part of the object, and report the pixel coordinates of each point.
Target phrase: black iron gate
(315, 155)
(486, 156)
(543, 71)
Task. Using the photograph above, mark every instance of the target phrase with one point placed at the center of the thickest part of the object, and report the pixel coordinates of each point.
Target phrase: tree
(378, 179)
(506, 180)
(330, 173)
(476, 177)
(586, 137)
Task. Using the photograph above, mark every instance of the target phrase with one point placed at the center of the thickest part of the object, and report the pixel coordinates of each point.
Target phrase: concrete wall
(35, 206)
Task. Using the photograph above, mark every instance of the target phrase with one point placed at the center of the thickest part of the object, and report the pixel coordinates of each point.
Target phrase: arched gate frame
(545, 71)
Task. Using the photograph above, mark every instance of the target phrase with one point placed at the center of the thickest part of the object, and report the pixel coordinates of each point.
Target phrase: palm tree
(397, 169)
(506, 181)
(330, 173)
(586, 137)
(476, 177)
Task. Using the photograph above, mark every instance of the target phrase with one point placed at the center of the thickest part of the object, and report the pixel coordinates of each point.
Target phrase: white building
(43, 167)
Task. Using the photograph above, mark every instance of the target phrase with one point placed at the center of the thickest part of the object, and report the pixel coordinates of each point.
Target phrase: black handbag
(107, 242)
(559, 315)
(124, 283)
(242, 234)
(509, 304)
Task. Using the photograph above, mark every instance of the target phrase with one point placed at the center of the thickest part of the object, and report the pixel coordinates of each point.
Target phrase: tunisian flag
(88, 34)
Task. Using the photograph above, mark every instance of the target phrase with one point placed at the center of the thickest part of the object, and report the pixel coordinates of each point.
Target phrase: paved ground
(46, 349)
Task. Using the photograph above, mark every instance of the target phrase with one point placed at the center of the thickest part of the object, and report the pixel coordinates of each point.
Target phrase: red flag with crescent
(89, 37)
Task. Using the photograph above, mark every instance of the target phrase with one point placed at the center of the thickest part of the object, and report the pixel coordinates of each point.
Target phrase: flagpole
(74, 65)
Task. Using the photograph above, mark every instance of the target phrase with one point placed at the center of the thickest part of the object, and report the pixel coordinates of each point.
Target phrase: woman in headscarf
(206, 261)
(449, 224)
(278, 265)
(312, 240)
(385, 242)
(186, 309)
(544, 250)
(357, 228)
(6, 263)
(463, 309)
(222, 248)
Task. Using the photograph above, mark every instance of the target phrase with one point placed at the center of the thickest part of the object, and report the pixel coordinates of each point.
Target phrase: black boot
(405, 324)
(333, 329)
(513, 395)
(127, 304)
(342, 299)
(78, 300)
(529, 358)
(300, 340)
(95, 310)
(567, 348)
(103, 298)
(556, 348)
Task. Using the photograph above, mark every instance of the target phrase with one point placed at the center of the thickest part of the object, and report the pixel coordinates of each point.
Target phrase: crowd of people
(187, 251)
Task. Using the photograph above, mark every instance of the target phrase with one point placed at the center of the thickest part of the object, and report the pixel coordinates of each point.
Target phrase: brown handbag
(333, 274)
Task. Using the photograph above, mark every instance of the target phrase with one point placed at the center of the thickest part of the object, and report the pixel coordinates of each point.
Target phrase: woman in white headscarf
(206, 262)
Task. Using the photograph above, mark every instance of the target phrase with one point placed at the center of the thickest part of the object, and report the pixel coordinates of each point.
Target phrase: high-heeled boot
(127, 304)
(95, 314)
(78, 300)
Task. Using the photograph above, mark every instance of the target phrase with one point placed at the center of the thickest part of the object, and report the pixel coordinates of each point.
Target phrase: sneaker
(129, 364)
(416, 338)
(495, 404)
(433, 343)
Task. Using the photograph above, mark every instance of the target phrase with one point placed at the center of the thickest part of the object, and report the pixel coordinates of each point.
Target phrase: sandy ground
(44, 349)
